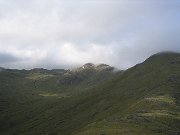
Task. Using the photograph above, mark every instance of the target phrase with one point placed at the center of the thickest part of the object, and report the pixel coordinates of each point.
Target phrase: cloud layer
(64, 34)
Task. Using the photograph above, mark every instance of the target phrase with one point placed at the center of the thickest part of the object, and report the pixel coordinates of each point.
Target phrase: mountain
(88, 74)
(145, 99)
(94, 100)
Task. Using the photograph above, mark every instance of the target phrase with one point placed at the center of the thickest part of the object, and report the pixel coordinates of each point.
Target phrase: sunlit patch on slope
(38, 76)
(165, 99)
(50, 94)
(161, 113)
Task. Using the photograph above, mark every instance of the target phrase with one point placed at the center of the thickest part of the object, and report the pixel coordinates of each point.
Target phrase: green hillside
(93, 100)
(144, 100)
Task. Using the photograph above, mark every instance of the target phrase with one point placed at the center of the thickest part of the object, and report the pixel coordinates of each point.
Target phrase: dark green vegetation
(93, 100)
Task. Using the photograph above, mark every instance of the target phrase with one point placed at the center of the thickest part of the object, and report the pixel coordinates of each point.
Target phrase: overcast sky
(68, 33)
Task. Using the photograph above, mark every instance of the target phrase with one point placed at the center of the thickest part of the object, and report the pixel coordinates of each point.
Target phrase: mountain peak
(88, 65)
(98, 67)
(165, 54)
(104, 67)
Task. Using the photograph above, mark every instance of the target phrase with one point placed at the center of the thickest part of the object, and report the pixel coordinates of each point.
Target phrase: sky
(69, 33)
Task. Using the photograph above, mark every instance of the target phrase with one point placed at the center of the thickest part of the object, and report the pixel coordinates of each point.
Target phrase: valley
(93, 99)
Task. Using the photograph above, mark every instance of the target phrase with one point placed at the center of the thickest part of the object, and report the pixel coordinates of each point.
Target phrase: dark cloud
(7, 58)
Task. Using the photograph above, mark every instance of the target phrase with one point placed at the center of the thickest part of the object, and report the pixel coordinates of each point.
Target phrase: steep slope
(145, 99)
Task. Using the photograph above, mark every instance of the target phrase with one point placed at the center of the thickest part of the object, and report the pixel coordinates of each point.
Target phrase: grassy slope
(34, 102)
(142, 100)
(150, 93)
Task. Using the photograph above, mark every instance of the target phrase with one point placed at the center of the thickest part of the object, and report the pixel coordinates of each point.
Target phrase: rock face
(97, 67)
(87, 73)
(88, 65)
(104, 67)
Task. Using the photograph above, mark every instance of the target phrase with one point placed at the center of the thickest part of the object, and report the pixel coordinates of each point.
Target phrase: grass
(164, 99)
(144, 99)
(38, 76)
(160, 113)
(50, 94)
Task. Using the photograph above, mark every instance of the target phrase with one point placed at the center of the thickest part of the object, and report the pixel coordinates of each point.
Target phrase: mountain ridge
(144, 99)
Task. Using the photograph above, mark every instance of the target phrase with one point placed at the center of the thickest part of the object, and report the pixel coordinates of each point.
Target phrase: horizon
(55, 34)
(95, 64)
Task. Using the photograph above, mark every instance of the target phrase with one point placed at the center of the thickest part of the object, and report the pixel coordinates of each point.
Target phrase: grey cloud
(7, 58)
(59, 33)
